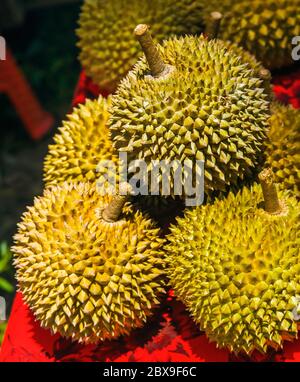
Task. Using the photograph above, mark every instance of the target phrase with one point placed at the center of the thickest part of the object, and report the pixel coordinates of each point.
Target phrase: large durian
(108, 49)
(200, 101)
(283, 147)
(81, 143)
(86, 271)
(264, 27)
(236, 266)
(83, 152)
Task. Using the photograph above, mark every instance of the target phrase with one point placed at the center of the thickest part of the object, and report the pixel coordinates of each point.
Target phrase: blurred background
(41, 45)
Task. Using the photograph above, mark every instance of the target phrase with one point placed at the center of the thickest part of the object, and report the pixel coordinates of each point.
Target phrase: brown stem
(155, 61)
(213, 28)
(272, 203)
(265, 74)
(113, 210)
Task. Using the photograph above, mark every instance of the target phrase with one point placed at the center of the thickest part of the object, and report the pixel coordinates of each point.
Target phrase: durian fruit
(89, 267)
(283, 148)
(198, 101)
(236, 266)
(80, 144)
(108, 49)
(83, 152)
(264, 27)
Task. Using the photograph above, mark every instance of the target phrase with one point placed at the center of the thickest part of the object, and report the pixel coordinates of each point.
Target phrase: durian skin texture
(82, 277)
(211, 108)
(79, 148)
(80, 144)
(263, 27)
(108, 48)
(250, 59)
(283, 148)
(237, 269)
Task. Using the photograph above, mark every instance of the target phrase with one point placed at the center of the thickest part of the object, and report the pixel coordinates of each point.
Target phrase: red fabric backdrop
(170, 335)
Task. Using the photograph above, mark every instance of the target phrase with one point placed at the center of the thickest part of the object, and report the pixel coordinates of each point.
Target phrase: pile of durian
(108, 49)
(93, 266)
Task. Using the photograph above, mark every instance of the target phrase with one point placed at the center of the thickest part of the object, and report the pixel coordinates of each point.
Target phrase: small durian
(198, 101)
(108, 49)
(283, 147)
(80, 144)
(263, 27)
(236, 266)
(87, 265)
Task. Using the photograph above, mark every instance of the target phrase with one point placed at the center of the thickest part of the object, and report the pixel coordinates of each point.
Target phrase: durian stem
(266, 76)
(213, 27)
(272, 203)
(155, 61)
(112, 212)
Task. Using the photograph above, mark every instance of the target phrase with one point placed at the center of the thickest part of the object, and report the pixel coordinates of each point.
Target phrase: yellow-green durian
(82, 276)
(108, 49)
(80, 144)
(211, 106)
(283, 147)
(237, 269)
(83, 152)
(264, 27)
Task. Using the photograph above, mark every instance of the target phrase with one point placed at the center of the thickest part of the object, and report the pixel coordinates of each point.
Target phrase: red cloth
(287, 88)
(170, 335)
(85, 88)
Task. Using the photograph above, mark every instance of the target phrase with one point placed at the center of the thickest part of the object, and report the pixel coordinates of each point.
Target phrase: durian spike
(272, 204)
(112, 212)
(155, 61)
(214, 26)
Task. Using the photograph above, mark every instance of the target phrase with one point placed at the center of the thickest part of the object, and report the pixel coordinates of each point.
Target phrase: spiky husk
(80, 144)
(254, 64)
(211, 108)
(264, 27)
(83, 152)
(108, 48)
(237, 270)
(82, 277)
(283, 148)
